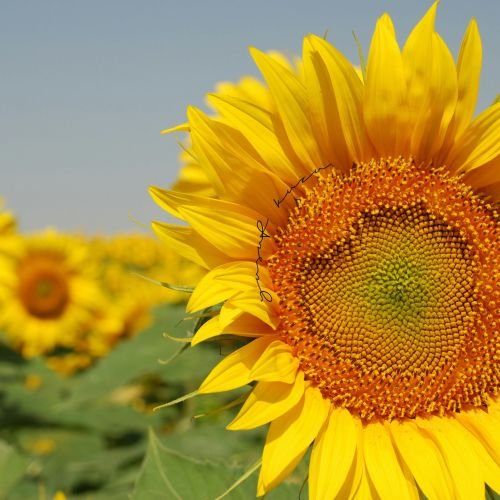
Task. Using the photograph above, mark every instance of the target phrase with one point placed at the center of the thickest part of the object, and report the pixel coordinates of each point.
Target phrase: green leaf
(490, 494)
(214, 442)
(12, 468)
(166, 473)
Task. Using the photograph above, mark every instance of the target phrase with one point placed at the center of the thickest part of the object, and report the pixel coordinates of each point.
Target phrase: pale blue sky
(87, 86)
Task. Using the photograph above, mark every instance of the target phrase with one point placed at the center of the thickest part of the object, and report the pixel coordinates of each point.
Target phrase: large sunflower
(49, 290)
(354, 233)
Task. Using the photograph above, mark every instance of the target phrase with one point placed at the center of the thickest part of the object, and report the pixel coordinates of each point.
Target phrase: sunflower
(124, 260)
(49, 291)
(353, 237)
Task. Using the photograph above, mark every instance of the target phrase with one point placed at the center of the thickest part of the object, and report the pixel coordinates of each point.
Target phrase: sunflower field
(92, 346)
(315, 317)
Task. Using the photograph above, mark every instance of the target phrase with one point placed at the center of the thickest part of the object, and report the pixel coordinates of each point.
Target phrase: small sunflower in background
(353, 233)
(131, 262)
(127, 265)
(73, 298)
(49, 291)
(8, 223)
(192, 178)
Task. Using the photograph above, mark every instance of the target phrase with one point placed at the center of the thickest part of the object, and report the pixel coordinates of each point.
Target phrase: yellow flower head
(49, 291)
(353, 233)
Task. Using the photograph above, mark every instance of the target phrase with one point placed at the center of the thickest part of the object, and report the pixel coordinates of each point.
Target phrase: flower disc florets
(388, 285)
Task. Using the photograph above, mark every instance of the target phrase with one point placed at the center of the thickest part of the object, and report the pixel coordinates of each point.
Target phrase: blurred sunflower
(49, 291)
(129, 258)
(8, 222)
(192, 178)
(353, 232)
(127, 298)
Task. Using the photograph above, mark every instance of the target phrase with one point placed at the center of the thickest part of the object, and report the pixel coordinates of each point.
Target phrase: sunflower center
(43, 287)
(387, 281)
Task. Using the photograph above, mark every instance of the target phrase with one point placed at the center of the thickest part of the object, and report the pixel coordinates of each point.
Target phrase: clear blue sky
(86, 86)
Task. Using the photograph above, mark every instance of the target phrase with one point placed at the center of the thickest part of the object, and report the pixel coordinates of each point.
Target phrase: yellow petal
(489, 469)
(385, 108)
(383, 466)
(424, 460)
(479, 144)
(234, 370)
(365, 489)
(230, 227)
(347, 91)
(245, 325)
(324, 115)
(207, 148)
(492, 191)
(256, 125)
(267, 402)
(468, 73)
(247, 89)
(332, 455)
(432, 89)
(418, 70)
(441, 102)
(288, 438)
(248, 325)
(237, 170)
(277, 364)
(291, 125)
(186, 242)
(221, 283)
(208, 330)
(459, 457)
(183, 127)
(168, 200)
(232, 232)
(252, 304)
(351, 486)
(485, 428)
(486, 175)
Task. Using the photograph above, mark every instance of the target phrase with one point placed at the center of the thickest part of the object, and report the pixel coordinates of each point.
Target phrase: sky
(86, 87)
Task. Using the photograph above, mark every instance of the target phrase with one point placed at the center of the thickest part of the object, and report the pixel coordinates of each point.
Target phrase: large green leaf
(168, 474)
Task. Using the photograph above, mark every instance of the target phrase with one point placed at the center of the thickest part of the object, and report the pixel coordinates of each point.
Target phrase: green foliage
(95, 436)
(12, 468)
(83, 433)
(167, 473)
